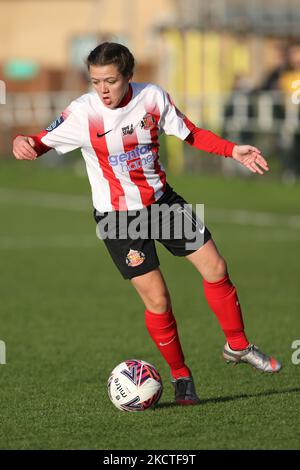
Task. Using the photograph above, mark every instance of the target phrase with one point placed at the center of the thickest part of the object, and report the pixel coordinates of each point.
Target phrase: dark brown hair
(112, 53)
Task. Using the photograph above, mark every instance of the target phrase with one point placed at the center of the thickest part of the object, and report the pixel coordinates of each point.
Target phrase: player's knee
(217, 270)
(220, 268)
(159, 303)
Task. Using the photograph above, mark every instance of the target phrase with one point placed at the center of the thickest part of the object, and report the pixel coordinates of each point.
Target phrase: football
(134, 385)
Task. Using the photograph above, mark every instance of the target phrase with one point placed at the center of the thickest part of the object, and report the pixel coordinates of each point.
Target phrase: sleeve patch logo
(57, 122)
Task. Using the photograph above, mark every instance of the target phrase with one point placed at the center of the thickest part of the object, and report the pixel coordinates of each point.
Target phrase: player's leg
(137, 260)
(220, 293)
(153, 291)
(221, 296)
(162, 327)
(160, 320)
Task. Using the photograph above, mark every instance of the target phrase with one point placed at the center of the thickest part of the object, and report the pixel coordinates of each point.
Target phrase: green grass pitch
(67, 318)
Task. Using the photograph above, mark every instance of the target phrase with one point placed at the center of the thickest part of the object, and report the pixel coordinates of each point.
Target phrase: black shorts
(130, 236)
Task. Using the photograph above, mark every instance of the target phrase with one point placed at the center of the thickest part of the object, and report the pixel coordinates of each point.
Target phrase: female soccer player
(117, 128)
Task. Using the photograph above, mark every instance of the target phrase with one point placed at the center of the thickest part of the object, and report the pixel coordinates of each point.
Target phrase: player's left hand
(251, 158)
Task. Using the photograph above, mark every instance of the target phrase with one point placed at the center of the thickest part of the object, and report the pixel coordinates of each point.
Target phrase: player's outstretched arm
(23, 148)
(251, 158)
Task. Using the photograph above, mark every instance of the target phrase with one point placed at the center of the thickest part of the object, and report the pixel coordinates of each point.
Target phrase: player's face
(109, 83)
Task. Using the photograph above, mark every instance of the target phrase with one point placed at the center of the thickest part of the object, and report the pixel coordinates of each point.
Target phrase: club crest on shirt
(148, 122)
(135, 258)
(128, 130)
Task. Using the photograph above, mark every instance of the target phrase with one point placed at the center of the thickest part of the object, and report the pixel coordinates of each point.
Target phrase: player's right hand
(23, 148)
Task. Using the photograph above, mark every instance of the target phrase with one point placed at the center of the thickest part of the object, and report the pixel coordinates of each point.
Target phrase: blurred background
(232, 66)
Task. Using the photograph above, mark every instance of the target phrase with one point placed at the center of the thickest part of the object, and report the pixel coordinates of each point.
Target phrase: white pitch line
(33, 242)
(45, 199)
(84, 204)
(55, 241)
(258, 219)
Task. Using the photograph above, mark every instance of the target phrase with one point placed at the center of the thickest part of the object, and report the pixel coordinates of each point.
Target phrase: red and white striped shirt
(120, 146)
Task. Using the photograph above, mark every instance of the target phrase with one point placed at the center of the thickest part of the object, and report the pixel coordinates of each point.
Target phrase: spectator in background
(286, 142)
(271, 80)
(280, 80)
(291, 71)
(238, 129)
(290, 135)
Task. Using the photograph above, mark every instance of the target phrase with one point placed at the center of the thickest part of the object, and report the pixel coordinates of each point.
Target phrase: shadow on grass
(232, 398)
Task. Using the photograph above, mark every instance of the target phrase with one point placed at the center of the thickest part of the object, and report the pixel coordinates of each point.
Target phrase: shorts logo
(55, 123)
(148, 122)
(135, 258)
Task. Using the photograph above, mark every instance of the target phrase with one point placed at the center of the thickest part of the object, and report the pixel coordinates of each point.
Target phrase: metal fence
(260, 112)
(242, 117)
(274, 17)
(33, 109)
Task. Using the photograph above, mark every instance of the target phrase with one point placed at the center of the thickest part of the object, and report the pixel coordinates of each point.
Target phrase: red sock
(222, 298)
(162, 328)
